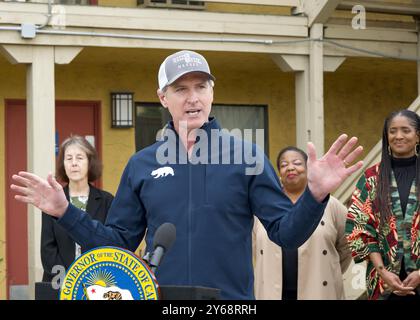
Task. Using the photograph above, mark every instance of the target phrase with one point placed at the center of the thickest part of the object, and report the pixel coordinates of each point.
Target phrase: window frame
(169, 4)
(158, 105)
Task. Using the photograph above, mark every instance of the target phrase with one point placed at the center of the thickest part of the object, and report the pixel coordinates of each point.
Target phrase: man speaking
(200, 186)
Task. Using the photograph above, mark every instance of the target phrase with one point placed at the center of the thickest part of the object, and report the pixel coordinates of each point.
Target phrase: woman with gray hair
(77, 166)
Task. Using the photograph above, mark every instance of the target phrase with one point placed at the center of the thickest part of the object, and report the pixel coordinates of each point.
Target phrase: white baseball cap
(180, 63)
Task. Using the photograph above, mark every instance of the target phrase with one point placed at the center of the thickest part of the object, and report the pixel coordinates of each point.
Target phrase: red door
(72, 117)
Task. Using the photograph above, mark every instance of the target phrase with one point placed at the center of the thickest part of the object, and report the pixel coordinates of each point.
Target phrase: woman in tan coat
(314, 270)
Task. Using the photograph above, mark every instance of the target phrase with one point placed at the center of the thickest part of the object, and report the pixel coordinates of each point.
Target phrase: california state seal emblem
(109, 273)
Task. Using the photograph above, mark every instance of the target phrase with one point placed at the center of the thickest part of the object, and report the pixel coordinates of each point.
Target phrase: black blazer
(57, 248)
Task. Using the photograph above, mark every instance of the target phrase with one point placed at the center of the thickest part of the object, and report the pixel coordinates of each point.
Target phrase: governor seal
(109, 273)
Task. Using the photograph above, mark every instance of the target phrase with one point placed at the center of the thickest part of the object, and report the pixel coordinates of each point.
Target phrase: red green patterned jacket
(399, 239)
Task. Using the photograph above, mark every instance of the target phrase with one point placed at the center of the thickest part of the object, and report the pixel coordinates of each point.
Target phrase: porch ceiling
(149, 60)
(230, 62)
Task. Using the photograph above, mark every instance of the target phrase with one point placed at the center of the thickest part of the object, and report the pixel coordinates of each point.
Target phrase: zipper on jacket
(206, 198)
(189, 222)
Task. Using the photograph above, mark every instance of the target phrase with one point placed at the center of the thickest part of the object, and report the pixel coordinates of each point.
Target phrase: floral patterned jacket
(399, 239)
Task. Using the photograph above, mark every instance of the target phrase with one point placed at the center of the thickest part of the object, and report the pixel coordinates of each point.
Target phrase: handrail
(343, 193)
(277, 3)
(280, 3)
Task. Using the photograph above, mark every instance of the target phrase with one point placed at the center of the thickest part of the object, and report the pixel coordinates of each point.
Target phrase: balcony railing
(182, 4)
(68, 2)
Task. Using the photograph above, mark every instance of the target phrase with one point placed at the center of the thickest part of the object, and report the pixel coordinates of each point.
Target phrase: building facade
(301, 70)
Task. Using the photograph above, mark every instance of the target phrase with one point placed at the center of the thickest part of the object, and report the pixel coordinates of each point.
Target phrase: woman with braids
(383, 222)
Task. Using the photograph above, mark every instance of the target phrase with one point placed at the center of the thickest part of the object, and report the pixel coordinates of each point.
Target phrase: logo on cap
(188, 61)
(179, 64)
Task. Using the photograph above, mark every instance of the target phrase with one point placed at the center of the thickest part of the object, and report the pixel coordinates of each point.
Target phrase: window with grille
(152, 117)
(183, 4)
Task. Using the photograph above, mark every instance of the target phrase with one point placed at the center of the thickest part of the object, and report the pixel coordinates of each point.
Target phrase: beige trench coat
(322, 259)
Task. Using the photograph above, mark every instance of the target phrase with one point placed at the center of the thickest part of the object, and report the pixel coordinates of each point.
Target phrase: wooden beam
(291, 63)
(300, 66)
(65, 55)
(316, 89)
(17, 54)
(371, 33)
(200, 28)
(159, 20)
(40, 123)
(303, 106)
(298, 63)
(331, 64)
(382, 48)
(390, 48)
(319, 11)
(382, 7)
(403, 24)
(160, 42)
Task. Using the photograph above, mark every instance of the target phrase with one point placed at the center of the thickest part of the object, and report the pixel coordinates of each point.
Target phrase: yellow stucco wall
(241, 79)
(357, 98)
(242, 8)
(255, 79)
(118, 3)
(82, 82)
(357, 101)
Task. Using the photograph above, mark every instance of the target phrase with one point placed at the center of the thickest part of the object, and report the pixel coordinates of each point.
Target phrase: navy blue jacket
(212, 207)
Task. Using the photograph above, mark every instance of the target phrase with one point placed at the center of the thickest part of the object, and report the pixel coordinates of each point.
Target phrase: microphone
(163, 240)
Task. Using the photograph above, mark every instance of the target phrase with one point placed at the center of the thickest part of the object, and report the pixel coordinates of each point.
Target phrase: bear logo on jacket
(162, 172)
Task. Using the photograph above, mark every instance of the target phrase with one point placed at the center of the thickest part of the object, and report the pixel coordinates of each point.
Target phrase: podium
(45, 291)
(189, 293)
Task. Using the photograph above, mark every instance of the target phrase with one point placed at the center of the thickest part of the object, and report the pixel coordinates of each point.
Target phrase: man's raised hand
(327, 173)
(46, 195)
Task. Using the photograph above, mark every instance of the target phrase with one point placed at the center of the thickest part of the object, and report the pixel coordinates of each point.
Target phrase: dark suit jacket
(57, 248)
